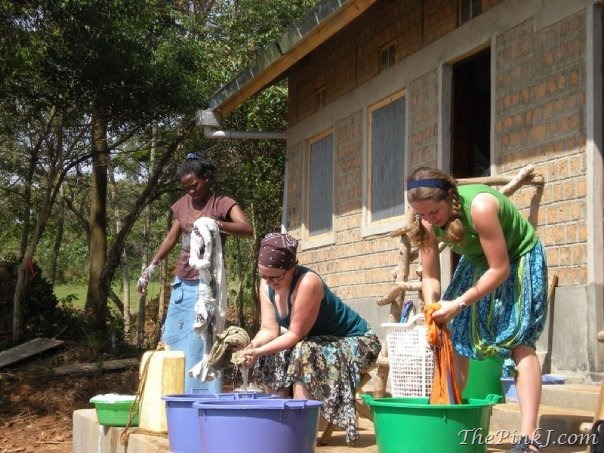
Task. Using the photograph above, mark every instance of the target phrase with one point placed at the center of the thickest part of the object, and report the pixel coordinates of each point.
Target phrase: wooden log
(551, 290)
(397, 289)
(408, 219)
(379, 381)
(383, 361)
(524, 176)
(83, 368)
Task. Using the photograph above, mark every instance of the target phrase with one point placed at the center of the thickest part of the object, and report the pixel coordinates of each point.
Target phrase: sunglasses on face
(275, 279)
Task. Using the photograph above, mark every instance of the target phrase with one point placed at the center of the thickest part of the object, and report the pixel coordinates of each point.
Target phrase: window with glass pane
(321, 186)
(387, 153)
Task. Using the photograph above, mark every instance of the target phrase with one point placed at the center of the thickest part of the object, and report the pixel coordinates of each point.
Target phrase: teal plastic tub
(412, 425)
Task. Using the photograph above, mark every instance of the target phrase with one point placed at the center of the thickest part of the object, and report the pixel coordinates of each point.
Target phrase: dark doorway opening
(471, 120)
(471, 117)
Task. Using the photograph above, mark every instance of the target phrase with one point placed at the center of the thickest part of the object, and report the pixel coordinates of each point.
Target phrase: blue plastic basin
(181, 417)
(251, 425)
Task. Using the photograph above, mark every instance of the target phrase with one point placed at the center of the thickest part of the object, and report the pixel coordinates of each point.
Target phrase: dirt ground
(36, 406)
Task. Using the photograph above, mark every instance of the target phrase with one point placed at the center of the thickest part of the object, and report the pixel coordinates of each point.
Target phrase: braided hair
(427, 183)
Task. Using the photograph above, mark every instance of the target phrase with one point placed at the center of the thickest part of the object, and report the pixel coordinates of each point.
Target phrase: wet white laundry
(211, 306)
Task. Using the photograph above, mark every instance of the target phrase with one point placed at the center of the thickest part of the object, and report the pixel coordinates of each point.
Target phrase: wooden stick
(109, 365)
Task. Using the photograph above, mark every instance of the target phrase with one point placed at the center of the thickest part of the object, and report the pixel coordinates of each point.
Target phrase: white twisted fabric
(211, 306)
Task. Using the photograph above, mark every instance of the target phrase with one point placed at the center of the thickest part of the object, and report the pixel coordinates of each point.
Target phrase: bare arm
(430, 260)
(269, 327)
(238, 223)
(305, 309)
(168, 243)
(164, 248)
(485, 216)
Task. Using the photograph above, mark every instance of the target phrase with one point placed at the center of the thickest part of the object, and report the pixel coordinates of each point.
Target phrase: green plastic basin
(410, 425)
(114, 410)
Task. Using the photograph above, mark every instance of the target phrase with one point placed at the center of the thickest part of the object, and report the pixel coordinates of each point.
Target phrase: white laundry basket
(410, 358)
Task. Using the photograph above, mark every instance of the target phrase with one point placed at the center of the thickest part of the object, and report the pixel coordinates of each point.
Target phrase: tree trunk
(22, 279)
(57, 245)
(30, 240)
(142, 299)
(96, 300)
(140, 324)
(241, 277)
(102, 276)
(125, 273)
(163, 284)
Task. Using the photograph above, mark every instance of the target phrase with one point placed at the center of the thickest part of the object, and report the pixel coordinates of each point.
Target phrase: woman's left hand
(447, 311)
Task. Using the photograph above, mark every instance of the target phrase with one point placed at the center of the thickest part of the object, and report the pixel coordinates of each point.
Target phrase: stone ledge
(89, 436)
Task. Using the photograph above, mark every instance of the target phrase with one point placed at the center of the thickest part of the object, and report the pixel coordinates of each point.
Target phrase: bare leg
(300, 392)
(462, 367)
(284, 393)
(528, 387)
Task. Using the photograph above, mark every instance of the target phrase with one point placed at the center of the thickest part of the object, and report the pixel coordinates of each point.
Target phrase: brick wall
(539, 119)
(422, 96)
(352, 57)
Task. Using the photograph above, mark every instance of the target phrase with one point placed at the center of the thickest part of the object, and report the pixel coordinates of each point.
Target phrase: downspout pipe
(207, 119)
(211, 129)
(213, 133)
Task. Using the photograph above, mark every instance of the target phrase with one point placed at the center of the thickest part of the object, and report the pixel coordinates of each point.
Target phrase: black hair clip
(192, 156)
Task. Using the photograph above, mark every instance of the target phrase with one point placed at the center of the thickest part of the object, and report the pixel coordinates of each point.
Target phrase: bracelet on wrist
(461, 303)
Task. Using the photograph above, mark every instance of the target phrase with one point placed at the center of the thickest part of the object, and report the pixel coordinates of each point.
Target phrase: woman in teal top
(310, 344)
(496, 303)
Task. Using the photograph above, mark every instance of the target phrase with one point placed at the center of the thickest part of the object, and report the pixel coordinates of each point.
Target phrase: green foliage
(42, 313)
(151, 64)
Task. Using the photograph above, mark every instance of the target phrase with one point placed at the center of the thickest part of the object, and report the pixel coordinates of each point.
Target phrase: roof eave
(272, 63)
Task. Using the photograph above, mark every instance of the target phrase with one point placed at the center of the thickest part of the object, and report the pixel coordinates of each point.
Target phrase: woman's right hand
(143, 280)
(250, 354)
(448, 309)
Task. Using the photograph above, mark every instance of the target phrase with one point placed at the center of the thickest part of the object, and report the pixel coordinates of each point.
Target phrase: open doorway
(471, 120)
(471, 117)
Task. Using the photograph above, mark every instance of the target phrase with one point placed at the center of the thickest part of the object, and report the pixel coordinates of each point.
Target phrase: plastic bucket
(183, 426)
(412, 425)
(269, 425)
(484, 378)
(114, 410)
(509, 386)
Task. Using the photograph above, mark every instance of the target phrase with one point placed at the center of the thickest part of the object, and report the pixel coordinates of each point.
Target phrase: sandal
(525, 445)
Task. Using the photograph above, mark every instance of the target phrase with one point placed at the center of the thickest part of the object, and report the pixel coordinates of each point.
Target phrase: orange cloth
(444, 385)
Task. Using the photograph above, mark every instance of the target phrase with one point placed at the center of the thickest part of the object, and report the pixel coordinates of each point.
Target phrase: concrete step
(555, 421)
(571, 396)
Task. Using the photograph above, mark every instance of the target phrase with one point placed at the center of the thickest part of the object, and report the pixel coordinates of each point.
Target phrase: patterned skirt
(329, 367)
(514, 314)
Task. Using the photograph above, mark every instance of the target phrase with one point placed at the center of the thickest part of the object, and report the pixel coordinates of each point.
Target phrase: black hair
(197, 164)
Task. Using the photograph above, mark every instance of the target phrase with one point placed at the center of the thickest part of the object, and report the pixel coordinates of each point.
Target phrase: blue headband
(431, 183)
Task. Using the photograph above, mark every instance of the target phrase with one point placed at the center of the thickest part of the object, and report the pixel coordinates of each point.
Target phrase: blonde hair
(433, 184)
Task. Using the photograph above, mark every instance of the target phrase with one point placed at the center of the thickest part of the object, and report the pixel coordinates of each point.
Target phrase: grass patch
(79, 291)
